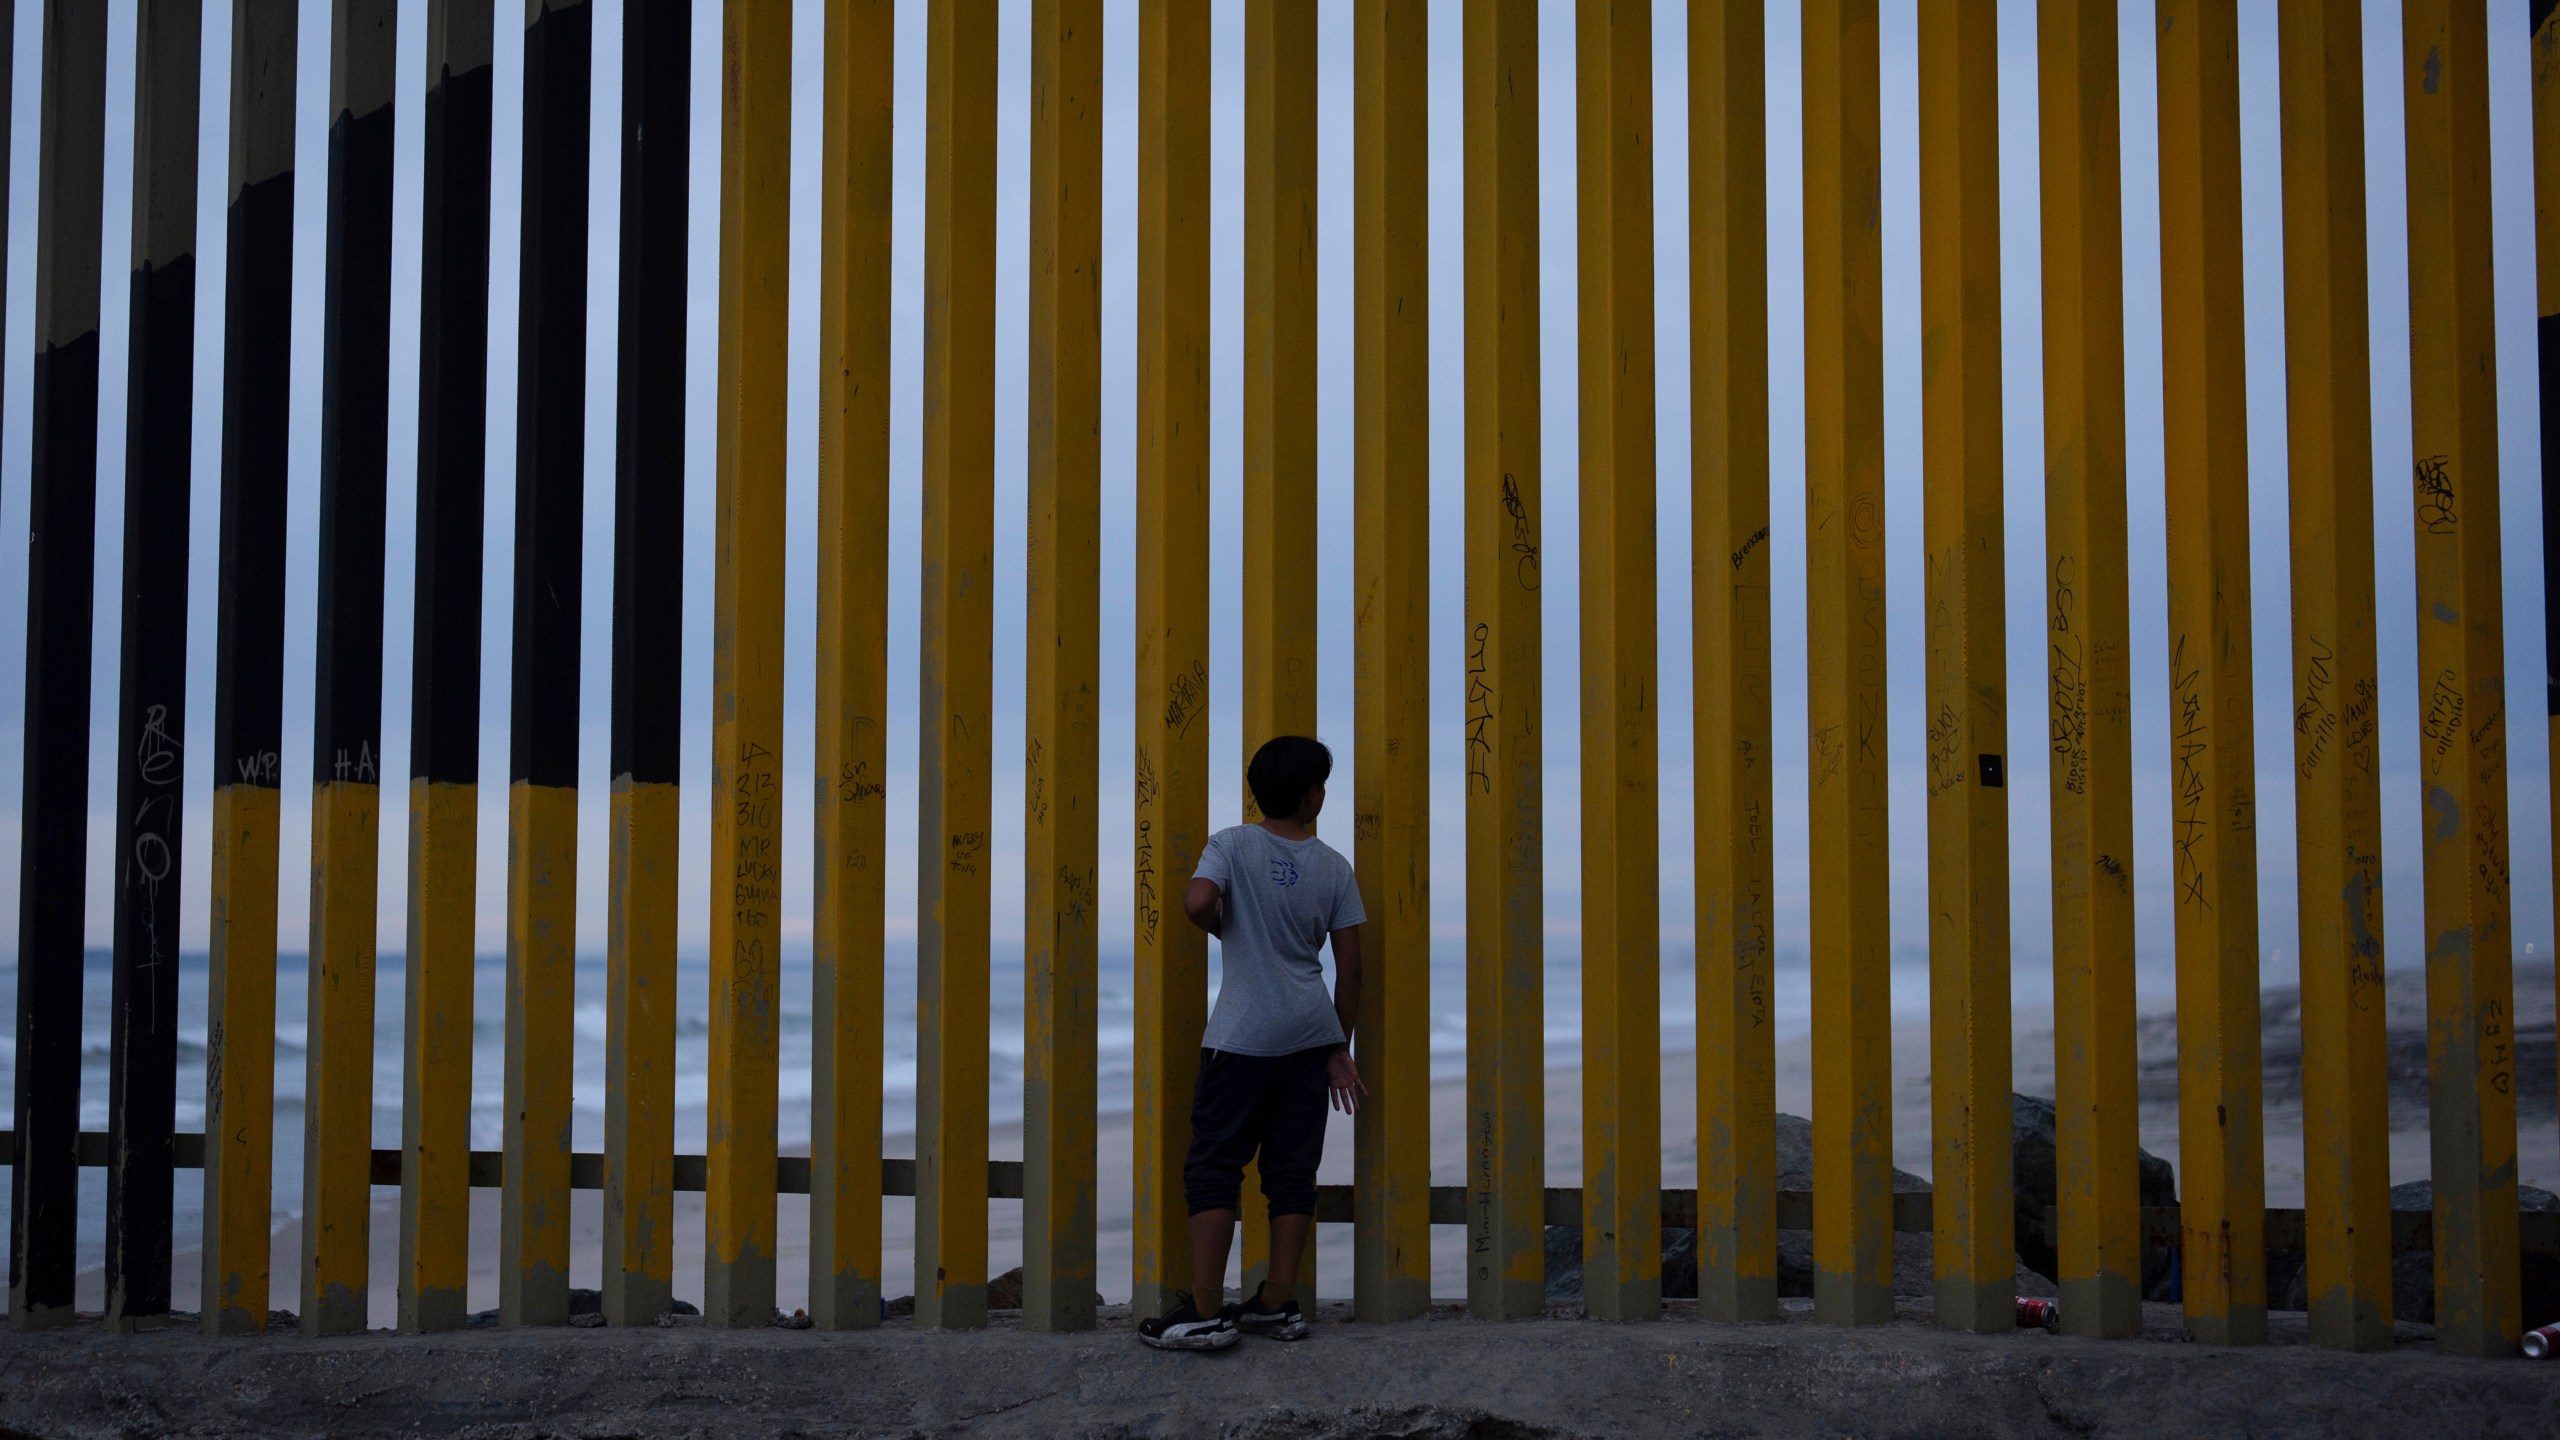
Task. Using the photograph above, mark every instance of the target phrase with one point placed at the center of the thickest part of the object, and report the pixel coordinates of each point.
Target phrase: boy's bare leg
(1212, 1231)
(1288, 1243)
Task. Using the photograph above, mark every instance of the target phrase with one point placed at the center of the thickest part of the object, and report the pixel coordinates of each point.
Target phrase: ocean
(1116, 1026)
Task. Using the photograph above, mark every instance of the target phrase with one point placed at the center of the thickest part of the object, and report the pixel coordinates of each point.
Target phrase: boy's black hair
(1284, 770)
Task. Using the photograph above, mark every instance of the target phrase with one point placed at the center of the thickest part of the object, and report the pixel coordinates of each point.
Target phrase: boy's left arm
(1342, 1075)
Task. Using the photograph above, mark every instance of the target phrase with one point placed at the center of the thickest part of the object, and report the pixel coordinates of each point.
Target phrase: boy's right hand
(1342, 1079)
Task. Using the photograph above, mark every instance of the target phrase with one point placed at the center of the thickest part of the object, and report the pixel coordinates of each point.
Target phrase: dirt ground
(1444, 1376)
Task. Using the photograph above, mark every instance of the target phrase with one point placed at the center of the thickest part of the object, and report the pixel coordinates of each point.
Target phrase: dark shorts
(1266, 1107)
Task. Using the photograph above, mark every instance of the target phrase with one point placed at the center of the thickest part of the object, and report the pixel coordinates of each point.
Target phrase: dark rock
(1795, 1159)
(898, 1309)
(1679, 1263)
(1915, 1266)
(1005, 1291)
(2413, 1272)
(1914, 1256)
(2421, 1195)
(2034, 1182)
(1564, 1261)
(2413, 1287)
(582, 1305)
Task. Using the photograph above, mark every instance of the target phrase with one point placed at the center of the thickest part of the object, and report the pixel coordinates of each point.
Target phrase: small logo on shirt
(1284, 873)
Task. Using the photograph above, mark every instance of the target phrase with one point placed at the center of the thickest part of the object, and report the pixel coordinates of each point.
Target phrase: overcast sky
(2022, 359)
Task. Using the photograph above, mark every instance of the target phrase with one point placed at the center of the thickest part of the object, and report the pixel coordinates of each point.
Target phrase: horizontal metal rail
(2411, 1230)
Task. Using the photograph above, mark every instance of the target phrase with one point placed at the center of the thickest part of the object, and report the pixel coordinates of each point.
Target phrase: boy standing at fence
(1275, 1048)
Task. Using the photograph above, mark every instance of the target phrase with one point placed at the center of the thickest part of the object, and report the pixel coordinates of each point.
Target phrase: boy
(1275, 1047)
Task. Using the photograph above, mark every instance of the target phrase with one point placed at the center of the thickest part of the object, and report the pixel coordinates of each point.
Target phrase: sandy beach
(2538, 1133)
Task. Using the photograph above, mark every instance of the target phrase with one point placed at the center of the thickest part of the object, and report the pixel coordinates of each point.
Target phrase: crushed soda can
(2542, 1344)
(2034, 1310)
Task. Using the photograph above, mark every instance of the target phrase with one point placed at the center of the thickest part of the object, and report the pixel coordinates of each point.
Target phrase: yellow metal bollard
(533, 1201)
(1172, 791)
(1505, 770)
(2336, 750)
(1621, 773)
(444, 732)
(1280, 425)
(1845, 628)
(240, 970)
(851, 855)
(435, 1193)
(1968, 693)
(346, 792)
(2546, 236)
(1391, 1265)
(2089, 680)
(747, 663)
(2212, 746)
(550, 539)
(640, 1003)
(2462, 679)
(1061, 737)
(648, 665)
(955, 679)
(1729, 570)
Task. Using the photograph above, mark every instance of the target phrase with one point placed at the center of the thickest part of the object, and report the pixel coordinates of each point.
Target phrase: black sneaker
(1281, 1322)
(1184, 1328)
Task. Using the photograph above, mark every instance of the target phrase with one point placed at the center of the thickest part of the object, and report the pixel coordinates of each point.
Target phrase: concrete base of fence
(1441, 1376)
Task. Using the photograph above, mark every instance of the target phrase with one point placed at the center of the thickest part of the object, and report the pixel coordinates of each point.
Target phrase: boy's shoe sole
(1196, 1336)
(1280, 1326)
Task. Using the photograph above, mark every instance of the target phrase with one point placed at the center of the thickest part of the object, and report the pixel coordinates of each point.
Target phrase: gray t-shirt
(1283, 898)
